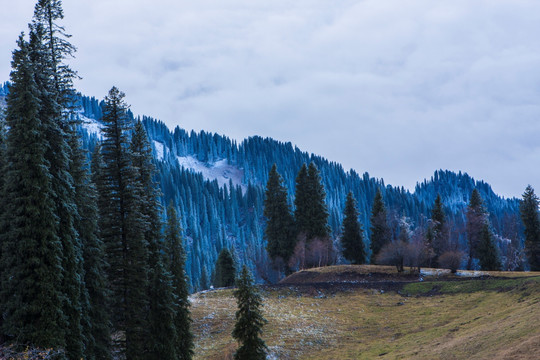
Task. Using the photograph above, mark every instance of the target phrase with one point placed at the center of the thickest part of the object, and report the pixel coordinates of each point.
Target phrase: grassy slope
(467, 319)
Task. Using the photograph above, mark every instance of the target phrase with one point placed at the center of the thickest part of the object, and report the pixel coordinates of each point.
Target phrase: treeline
(87, 267)
(301, 238)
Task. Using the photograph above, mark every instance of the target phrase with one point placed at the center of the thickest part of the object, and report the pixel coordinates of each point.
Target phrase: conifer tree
(476, 222)
(302, 201)
(123, 228)
(161, 315)
(176, 260)
(352, 240)
(380, 232)
(279, 231)
(31, 292)
(488, 255)
(439, 230)
(529, 217)
(318, 211)
(96, 328)
(49, 48)
(225, 271)
(249, 319)
(162, 331)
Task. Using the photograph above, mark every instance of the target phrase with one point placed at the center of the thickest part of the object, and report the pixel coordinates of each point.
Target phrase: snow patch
(160, 150)
(470, 273)
(91, 126)
(220, 170)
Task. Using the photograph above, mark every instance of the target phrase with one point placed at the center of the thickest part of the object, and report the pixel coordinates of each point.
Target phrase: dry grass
(495, 321)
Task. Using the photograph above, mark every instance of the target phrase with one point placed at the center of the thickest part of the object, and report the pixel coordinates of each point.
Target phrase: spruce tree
(380, 232)
(123, 228)
(439, 231)
(31, 291)
(225, 271)
(162, 335)
(529, 217)
(49, 49)
(96, 325)
(488, 255)
(318, 211)
(476, 221)
(302, 201)
(176, 260)
(249, 319)
(279, 231)
(352, 239)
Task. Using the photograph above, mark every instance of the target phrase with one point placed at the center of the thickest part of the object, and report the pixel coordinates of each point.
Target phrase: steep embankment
(445, 317)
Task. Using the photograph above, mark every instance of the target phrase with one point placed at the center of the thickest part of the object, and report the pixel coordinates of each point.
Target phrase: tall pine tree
(249, 319)
(352, 238)
(49, 49)
(31, 292)
(529, 217)
(439, 228)
(123, 228)
(380, 232)
(279, 232)
(176, 260)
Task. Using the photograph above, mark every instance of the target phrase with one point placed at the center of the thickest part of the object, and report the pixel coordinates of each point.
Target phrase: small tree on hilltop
(249, 319)
(352, 239)
(380, 232)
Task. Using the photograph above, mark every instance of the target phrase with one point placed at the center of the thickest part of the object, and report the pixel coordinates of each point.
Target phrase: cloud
(396, 88)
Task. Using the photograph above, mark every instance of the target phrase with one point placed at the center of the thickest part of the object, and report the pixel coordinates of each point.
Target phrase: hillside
(218, 186)
(441, 317)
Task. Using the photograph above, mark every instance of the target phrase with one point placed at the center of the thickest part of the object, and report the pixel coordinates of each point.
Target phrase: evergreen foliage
(488, 255)
(225, 271)
(249, 319)
(439, 228)
(302, 201)
(123, 228)
(176, 260)
(318, 211)
(352, 239)
(95, 263)
(380, 232)
(279, 232)
(529, 217)
(31, 292)
(476, 222)
(162, 332)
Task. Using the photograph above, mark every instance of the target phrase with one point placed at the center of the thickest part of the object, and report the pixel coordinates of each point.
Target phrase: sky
(397, 88)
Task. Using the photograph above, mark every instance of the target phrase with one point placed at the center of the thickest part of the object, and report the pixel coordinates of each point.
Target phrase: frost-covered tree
(31, 291)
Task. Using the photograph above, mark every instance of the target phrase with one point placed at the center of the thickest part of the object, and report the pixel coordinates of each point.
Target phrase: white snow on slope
(220, 170)
(92, 126)
(160, 150)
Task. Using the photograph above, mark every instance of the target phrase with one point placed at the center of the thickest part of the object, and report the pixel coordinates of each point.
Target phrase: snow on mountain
(219, 170)
(91, 126)
(160, 150)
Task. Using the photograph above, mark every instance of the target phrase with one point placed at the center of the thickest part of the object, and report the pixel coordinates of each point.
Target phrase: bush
(451, 260)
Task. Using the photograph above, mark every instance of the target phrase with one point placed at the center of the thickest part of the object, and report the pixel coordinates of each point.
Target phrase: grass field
(441, 317)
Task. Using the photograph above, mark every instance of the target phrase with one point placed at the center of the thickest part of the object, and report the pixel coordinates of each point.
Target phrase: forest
(109, 220)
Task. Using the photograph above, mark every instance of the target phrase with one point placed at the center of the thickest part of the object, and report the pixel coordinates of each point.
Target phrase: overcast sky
(398, 88)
